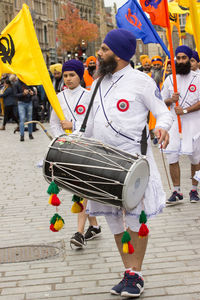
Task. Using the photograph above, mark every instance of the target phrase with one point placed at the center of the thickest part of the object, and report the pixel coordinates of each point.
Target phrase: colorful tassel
(127, 246)
(54, 200)
(56, 222)
(53, 188)
(77, 207)
(143, 231)
(76, 198)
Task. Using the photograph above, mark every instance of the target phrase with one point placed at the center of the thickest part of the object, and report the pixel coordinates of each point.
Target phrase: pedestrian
(188, 109)
(194, 61)
(74, 101)
(118, 118)
(24, 94)
(88, 76)
(9, 102)
(56, 71)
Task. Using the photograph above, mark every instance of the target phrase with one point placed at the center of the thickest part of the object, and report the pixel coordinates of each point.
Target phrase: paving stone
(173, 251)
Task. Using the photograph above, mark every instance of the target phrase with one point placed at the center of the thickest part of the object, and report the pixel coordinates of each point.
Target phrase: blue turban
(195, 55)
(74, 65)
(122, 42)
(184, 49)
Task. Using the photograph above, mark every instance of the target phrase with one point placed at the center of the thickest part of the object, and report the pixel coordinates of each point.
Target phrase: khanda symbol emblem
(133, 19)
(173, 17)
(153, 3)
(7, 49)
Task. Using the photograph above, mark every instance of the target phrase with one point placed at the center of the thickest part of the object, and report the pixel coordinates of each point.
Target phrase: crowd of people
(127, 102)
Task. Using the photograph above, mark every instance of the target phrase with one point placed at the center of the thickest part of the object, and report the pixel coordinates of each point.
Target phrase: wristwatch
(185, 111)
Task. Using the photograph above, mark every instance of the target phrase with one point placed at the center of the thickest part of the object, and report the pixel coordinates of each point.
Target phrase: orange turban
(88, 60)
(146, 60)
(143, 57)
(156, 60)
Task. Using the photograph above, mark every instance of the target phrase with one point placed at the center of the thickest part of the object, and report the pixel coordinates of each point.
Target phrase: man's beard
(147, 70)
(91, 70)
(157, 76)
(183, 69)
(107, 66)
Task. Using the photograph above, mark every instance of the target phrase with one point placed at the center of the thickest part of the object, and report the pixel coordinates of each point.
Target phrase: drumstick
(42, 126)
(155, 141)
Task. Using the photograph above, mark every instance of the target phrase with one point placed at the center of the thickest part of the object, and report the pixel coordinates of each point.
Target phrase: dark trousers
(9, 112)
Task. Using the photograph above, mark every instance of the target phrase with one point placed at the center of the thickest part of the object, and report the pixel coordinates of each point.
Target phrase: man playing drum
(118, 117)
(74, 101)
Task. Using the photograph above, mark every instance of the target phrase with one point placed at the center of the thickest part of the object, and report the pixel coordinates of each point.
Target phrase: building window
(45, 34)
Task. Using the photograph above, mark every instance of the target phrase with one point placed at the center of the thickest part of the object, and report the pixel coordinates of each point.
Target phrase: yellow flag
(175, 8)
(20, 54)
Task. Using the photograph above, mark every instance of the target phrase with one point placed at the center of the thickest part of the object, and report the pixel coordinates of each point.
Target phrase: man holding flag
(188, 83)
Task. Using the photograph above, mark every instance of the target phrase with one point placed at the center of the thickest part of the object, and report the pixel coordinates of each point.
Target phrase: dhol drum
(95, 171)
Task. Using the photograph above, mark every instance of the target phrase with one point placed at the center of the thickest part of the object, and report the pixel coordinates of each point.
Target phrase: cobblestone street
(172, 264)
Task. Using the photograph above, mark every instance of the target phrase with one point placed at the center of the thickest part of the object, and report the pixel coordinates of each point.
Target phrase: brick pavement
(171, 266)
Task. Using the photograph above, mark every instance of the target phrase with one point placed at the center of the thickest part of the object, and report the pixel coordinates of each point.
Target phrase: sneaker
(21, 138)
(175, 197)
(194, 197)
(134, 285)
(78, 240)
(92, 232)
(31, 137)
(116, 290)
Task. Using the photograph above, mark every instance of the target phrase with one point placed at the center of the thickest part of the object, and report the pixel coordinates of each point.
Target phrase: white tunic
(118, 116)
(189, 89)
(74, 104)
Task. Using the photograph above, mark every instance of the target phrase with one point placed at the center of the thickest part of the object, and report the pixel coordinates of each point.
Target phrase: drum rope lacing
(101, 192)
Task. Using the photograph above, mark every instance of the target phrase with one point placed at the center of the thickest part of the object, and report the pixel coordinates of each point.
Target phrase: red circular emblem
(192, 88)
(80, 109)
(123, 105)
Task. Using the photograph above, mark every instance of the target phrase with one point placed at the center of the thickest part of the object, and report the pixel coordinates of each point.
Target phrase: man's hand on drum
(66, 124)
(162, 136)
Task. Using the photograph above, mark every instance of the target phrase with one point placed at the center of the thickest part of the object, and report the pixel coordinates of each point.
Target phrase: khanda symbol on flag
(153, 3)
(132, 18)
(20, 54)
(7, 49)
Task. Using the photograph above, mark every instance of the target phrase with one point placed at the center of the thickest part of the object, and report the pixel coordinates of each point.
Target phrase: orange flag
(156, 10)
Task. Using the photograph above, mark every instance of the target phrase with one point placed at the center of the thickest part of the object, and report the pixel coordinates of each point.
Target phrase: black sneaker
(31, 137)
(78, 240)
(116, 290)
(92, 232)
(175, 198)
(134, 285)
(21, 138)
(194, 197)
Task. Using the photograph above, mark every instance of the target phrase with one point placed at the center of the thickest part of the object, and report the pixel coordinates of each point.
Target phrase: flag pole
(172, 59)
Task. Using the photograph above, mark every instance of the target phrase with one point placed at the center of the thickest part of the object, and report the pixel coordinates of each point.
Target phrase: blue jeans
(25, 114)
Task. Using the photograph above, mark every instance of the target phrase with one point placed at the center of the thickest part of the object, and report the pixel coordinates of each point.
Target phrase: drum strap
(143, 141)
(84, 124)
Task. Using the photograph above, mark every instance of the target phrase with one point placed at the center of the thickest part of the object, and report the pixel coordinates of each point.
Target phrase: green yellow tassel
(53, 188)
(56, 222)
(77, 207)
(127, 246)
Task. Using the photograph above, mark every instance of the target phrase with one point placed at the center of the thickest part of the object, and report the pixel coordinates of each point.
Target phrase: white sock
(194, 187)
(97, 227)
(177, 189)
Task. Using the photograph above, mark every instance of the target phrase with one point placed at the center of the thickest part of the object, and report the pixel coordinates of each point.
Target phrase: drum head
(135, 184)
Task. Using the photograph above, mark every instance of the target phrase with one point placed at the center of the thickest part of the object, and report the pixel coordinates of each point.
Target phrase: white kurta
(74, 104)
(189, 89)
(118, 116)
